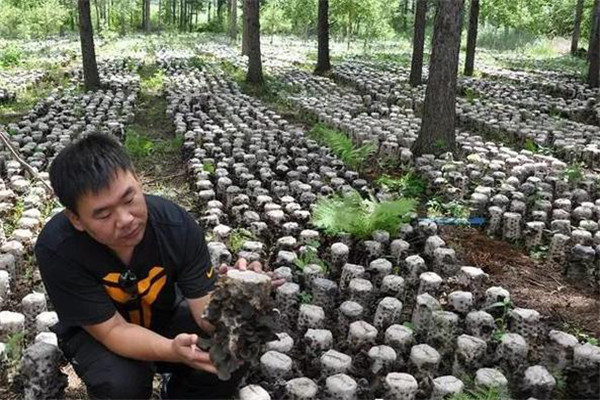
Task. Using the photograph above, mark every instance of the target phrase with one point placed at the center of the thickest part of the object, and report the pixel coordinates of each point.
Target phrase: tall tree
(146, 16)
(323, 61)
(252, 20)
(439, 114)
(472, 37)
(245, 35)
(594, 49)
(416, 67)
(88, 52)
(576, 27)
(233, 20)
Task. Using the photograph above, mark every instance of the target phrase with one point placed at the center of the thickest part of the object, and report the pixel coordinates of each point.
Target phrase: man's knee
(124, 383)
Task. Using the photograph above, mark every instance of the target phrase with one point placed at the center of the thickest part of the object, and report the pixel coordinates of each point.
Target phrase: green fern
(410, 184)
(342, 146)
(359, 217)
(492, 393)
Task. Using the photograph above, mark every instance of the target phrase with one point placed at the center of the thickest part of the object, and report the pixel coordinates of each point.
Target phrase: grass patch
(28, 98)
(342, 146)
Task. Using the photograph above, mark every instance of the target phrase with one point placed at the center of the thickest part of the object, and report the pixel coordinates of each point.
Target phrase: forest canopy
(348, 18)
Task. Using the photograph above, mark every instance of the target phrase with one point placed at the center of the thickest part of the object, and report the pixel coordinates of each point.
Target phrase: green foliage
(410, 184)
(138, 146)
(573, 173)
(153, 83)
(455, 209)
(238, 237)
(582, 335)
(341, 145)
(305, 298)
(480, 393)
(539, 252)
(12, 219)
(208, 167)
(471, 94)
(14, 348)
(311, 256)
(37, 19)
(10, 55)
(501, 309)
(358, 217)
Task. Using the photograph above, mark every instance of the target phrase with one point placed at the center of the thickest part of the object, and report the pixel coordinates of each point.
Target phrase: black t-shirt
(82, 275)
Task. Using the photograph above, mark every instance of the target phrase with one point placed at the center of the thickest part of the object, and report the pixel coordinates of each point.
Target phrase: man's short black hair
(87, 166)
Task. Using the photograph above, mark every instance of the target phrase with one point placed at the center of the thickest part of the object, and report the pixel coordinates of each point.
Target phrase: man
(129, 276)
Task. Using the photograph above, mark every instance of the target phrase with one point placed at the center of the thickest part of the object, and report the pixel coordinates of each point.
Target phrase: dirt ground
(535, 284)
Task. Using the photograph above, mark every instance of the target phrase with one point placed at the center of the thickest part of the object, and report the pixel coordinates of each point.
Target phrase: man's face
(115, 216)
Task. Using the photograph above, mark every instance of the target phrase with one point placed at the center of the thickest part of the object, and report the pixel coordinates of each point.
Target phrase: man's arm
(136, 342)
(197, 307)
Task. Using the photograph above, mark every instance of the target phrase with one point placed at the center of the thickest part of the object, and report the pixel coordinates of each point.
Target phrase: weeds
(573, 173)
(14, 348)
(209, 167)
(359, 217)
(12, 219)
(455, 209)
(341, 145)
(138, 146)
(154, 83)
(580, 333)
(238, 237)
(500, 309)
(410, 184)
(305, 298)
(539, 252)
(311, 256)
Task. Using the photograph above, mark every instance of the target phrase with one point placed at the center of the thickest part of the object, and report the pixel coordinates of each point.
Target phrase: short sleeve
(77, 297)
(196, 276)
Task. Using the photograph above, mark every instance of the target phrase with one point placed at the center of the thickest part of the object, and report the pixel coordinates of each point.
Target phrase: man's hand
(184, 346)
(242, 265)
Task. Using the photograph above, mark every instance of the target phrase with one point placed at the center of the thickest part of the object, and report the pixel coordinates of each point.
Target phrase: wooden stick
(28, 167)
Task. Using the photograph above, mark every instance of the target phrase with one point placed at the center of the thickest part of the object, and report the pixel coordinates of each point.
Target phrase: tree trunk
(209, 9)
(255, 75)
(245, 35)
(594, 50)
(323, 62)
(576, 27)
(147, 16)
(97, 15)
(88, 53)
(472, 37)
(404, 11)
(233, 20)
(416, 67)
(437, 133)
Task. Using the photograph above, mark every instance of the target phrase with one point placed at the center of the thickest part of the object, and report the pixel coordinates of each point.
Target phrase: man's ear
(74, 219)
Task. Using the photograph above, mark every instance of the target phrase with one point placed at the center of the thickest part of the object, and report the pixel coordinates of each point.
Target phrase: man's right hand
(184, 346)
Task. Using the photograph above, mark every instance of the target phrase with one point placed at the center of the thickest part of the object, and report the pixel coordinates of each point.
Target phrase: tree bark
(233, 20)
(323, 61)
(594, 50)
(97, 15)
(88, 52)
(245, 43)
(472, 37)
(576, 27)
(416, 67)
(252, 18)
(437, 133)
(147, 16)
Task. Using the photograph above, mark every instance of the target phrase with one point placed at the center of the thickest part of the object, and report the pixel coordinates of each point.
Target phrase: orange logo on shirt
(148, 290)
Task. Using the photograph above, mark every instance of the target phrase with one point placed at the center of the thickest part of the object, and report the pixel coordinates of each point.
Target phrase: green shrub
(10, 55)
